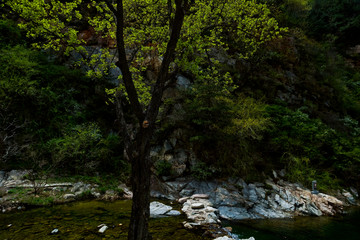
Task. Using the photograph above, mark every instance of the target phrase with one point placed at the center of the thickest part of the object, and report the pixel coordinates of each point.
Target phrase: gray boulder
(234, 213)
(158, 209)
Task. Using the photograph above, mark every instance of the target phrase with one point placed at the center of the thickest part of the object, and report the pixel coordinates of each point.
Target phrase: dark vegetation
(295, 104)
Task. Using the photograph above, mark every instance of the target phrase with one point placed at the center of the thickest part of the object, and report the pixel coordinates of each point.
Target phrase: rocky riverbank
(205, 203)
(18, 192)
(234, 199)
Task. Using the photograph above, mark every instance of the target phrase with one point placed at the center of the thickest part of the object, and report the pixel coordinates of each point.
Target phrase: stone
(127, 194)
(252, 195)
(55, 231)
(188, 225)
(16, 175)
(2, 176)
(224, 238)
(197, 206)
(313, 210)
(234, 213)
(182, 82)
(354, 192)
(167, 146)
(211, 209)
(158, 208)
(260, 192)
(77, 186)
(182, 200)
(69, 196)
(202, 196)
(103, 229)
(274, 174)
(173, 213)
(187, 192)
(178, 169)
(349, 197)
(282, 173)
(200, 211)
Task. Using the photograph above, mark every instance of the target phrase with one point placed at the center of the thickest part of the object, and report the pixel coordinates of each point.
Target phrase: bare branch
(123, 64)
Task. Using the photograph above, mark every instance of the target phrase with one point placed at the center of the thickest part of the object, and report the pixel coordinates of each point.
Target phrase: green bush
(311, 149)
(10, 34)
(201, 171)
(225, 128)
(83, 150)
(163, 168)
(337, 19)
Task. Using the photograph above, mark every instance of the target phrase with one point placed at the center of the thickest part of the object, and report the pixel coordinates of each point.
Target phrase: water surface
(80, 220)
(345, 227)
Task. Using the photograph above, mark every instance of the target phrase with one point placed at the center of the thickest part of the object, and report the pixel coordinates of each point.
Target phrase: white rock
(69, 196)
(182, 200)
(173, 213)
(224, 238)
(103, 229)
(202, 196)
(55, 231)
(157, 208)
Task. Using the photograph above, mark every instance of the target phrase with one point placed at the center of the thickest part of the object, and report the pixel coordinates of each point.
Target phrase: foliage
(201, 171)
(290, 13)
(38, 201)
(48, 100)
(84, 150)
(311, 149)
(10, 34)
(336, 20)
(245, 25)
(225, 128)
(163, 168)
(300, 169)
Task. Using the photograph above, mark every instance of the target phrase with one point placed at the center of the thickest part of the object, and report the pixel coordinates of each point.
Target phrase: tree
(164, 36)
(337, 20)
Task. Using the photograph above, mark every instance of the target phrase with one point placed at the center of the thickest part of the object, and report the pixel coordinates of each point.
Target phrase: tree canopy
(165, 36)
(240, 27)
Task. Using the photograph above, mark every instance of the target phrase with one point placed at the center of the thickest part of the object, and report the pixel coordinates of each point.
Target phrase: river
(80, 220)
(345, 227)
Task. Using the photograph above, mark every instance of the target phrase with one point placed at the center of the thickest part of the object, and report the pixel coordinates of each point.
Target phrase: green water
(79, 220)
(346, 227)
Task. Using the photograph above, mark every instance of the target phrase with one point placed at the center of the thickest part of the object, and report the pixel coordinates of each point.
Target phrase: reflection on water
(345, 227)
(79, 220)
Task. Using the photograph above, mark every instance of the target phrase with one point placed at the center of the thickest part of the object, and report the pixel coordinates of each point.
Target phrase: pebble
(103, 229)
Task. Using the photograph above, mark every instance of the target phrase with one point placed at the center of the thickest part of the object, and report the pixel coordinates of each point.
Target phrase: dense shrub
(336, 20)
(311, 149)
(83, 150)
(42, 102)
(225, 128)
(10, 34)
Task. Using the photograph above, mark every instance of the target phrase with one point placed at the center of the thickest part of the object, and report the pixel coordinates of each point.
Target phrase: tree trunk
(140, 182)
(138, 150)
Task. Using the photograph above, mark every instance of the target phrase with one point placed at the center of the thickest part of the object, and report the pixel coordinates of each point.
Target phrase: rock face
(234, 199)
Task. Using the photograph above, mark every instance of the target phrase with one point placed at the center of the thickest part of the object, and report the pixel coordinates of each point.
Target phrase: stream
(80, 220)
(345, 227)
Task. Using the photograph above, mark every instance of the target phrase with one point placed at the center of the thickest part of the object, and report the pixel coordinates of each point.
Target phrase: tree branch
(123, 65)
(177, 23)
